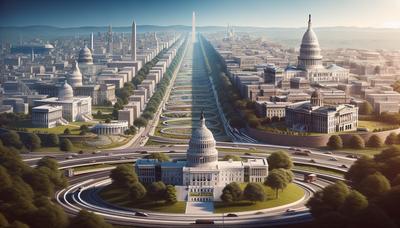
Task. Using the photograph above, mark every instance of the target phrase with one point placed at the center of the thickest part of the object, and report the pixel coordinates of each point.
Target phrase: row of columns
(111, 130)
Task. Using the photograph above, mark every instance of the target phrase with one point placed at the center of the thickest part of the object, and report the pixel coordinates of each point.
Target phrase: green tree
(39, 182)
(48, 214)
(49, 166)
(254, 192)
(335, 142)
(108, 120)
(254, 123)
(387, 154)
(18, 224)
(65, 144)
(361, 168)
(335, 195)
(391, 139)
(231, 192)
(328, 200)
(52, 140)
(32, 141)
(157, 190)
(375, 141)
(67, 131)
(84, 128)
(354, 203)
(140, 122)
(279, 159)
(365, 108)
(137, 191)
(3, 221)
(87, 219)
(389, 203)
(278, 180)
(356, 142)
(170, 195)
(231, 157)
(374, 185)
(124, 176)
(11, 138)
(159, 156)
(5, 178)
(148, 115)
(48, 162)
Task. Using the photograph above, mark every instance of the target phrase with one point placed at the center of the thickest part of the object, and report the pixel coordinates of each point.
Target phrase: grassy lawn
(291, 194)
(84, 146)
(120, 197)
(151, 142)
(74, 127)
(371, 125)
(367, 151)
(318, 170)
(158, 133)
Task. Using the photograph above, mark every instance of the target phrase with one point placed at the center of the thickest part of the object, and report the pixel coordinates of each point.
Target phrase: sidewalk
(200, 208)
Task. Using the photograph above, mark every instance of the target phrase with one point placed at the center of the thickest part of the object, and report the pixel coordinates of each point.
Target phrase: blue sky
(260, 13)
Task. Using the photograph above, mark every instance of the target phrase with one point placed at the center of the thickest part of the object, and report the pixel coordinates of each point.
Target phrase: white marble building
(314, 116)
(309, 64)
(115, 127)
(74, 108)
(202, 177)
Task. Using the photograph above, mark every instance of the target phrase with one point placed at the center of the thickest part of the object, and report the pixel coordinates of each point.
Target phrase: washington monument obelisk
(194, 27)
(133, 41)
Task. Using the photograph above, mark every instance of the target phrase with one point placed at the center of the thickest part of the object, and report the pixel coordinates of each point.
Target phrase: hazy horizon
(251, 13)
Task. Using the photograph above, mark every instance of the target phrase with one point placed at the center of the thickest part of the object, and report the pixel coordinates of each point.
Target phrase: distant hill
(329, 37)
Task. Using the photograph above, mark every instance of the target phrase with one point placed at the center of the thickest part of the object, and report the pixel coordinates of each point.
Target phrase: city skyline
(253, 13)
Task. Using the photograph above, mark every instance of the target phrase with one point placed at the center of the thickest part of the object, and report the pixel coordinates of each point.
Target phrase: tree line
(369, 199)
(335, 142)
(154, 102)
(125, 177)
(27, 194)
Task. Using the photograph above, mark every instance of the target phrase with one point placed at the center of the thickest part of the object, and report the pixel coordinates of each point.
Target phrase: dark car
(351, 156)
(141, 214)
(232, 215)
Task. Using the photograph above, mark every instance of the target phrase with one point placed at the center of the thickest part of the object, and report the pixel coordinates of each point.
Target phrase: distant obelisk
(110, 40)
(133, 41)
(193, 27)
(91, 42)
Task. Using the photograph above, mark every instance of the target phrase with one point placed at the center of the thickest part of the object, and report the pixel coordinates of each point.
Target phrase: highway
(82, 193)
(83, 189)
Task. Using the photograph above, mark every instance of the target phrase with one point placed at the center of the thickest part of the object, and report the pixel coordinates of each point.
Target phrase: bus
(310, 177)
(204, 221)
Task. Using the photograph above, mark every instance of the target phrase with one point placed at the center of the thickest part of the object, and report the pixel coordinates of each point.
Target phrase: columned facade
(112, 128)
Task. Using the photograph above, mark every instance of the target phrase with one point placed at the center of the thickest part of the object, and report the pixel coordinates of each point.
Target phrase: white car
(332, 159)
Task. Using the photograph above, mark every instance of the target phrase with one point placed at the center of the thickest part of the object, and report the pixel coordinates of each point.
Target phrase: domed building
(201, 177)
(309, 65)
(310, 53)
(316, 98)
(85, 56)
(75, 78)
(202, 151)
(74, 108)
(314, 116)
(66, 92)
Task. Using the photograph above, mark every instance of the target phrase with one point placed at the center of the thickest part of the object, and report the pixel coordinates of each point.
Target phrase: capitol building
(202, 176)
(309, 64)
(63, 109)
(314, 116)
